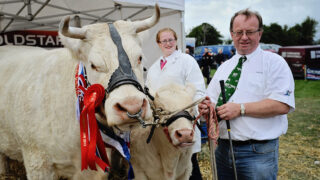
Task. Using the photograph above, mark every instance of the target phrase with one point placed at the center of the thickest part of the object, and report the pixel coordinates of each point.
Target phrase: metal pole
(223, 93)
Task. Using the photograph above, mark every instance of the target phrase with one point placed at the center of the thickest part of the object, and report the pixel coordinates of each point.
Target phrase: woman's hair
(166, 29)
(163, 30)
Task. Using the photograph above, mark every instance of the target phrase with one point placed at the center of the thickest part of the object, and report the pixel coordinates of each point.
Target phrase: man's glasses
(167, 41)
(247, 33)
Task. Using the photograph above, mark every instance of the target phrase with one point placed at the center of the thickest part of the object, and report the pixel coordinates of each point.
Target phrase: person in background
(220, 58)
(259, 92)
(206, 61)
(188, 51)
(191, 50)
(232, 53)
(176, 67)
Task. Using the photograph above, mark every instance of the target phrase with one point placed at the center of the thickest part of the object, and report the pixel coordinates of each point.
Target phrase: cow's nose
(131, 105)
(184, 135)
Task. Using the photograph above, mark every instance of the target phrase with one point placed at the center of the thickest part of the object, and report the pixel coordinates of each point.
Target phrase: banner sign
(313, 74)
(46, 39)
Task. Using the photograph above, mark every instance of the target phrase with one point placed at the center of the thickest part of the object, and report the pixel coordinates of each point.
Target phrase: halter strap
(123, 74)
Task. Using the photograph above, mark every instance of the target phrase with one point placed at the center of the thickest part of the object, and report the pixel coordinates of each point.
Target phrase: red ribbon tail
(84, 139)
(93, 137)
(94, 144)
(104, 166)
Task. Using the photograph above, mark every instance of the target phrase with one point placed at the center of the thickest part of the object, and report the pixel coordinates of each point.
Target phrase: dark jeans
(254, 161)
(196, 174)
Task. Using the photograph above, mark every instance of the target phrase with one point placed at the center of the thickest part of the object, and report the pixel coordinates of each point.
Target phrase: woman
(176, 67)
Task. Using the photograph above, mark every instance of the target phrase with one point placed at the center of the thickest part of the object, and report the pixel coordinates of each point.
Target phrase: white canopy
(46, 15)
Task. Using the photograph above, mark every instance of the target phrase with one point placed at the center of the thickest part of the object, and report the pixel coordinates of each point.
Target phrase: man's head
(246, 29)
(187, 51)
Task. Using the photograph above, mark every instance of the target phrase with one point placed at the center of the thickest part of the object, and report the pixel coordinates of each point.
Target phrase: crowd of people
(259, 93)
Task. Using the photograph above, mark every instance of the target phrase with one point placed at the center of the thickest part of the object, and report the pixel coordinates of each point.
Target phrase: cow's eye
(93, 67)
(139, 59)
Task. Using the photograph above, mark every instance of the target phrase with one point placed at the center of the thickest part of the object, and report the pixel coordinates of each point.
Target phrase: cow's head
(171, 98)
(97, 48)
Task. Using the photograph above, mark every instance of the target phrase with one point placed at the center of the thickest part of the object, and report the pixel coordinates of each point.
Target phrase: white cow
(162, 159)
(38, 123)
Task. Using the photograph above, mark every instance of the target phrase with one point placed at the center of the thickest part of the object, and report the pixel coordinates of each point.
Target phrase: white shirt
(264, 75)
(180, 69)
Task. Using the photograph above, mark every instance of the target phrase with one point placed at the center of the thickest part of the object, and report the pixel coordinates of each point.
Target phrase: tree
(272, 34)
(308, 31)
(228, 41)
(300, 34)
(205, 34)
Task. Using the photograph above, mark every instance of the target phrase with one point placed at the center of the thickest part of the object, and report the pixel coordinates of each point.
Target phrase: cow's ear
(71, 43)
(71, 37)
(190, 89)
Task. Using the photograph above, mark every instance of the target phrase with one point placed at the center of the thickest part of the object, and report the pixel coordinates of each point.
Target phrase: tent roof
(46, 14)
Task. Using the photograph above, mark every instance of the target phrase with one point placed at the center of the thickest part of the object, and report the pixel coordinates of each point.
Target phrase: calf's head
(108, 51)
(171, 98)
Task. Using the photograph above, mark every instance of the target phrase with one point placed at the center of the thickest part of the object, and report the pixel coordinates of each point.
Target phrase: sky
(219, 12)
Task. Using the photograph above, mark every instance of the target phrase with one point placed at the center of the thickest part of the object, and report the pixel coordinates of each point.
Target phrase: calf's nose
(184, 135)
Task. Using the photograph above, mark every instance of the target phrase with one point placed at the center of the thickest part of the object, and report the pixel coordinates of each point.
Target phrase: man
(257, 103)
(220, 58)
(206, 61)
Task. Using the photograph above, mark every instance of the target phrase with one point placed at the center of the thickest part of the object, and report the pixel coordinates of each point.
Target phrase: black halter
(180, 114)
(123, 74)
(169, 121)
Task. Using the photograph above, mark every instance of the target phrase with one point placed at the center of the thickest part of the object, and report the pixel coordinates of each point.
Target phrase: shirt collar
(172, 57)
(251, 55)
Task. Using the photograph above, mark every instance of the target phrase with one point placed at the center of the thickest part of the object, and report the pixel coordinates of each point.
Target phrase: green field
(300, 147)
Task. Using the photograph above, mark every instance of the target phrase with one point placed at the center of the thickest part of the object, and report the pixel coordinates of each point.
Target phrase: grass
(299, 152)
(300, 146)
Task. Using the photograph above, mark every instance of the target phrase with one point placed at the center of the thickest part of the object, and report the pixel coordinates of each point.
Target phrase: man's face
(245, 35)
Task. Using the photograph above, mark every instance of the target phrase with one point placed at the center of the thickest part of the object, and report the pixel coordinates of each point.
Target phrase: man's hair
(247, 13)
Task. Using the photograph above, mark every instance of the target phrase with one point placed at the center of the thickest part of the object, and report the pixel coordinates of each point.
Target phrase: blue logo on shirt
(288, 93)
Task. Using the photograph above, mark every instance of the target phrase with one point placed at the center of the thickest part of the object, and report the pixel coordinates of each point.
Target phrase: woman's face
(167, 43)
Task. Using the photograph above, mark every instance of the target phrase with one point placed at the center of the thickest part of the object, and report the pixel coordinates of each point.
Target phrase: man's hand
(228, 111)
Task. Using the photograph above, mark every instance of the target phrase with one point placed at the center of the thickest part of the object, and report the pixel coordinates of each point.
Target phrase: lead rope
(212, 123)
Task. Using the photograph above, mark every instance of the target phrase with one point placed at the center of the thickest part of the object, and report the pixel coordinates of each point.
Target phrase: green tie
(232, 81)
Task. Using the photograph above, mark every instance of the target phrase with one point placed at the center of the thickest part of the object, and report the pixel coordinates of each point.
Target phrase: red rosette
(93, 97)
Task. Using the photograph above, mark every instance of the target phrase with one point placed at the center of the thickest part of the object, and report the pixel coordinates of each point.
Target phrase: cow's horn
(71, 32)
(148, 23)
